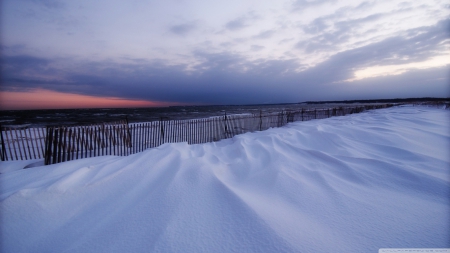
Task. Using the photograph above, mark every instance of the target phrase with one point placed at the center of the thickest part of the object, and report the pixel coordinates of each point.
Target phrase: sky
(138, 53)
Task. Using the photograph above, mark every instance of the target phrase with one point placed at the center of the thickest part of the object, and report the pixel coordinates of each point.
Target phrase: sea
(73, 117)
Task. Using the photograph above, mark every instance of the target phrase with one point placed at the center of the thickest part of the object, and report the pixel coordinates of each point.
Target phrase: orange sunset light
(45, 99)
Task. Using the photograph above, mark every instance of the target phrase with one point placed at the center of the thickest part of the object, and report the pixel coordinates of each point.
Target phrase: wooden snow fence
(64, 143)
(22, 143)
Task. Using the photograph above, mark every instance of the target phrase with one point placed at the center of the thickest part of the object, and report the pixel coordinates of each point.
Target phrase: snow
(356, 183)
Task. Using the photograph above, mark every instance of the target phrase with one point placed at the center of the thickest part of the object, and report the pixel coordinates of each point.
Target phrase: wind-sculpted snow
(357, 183)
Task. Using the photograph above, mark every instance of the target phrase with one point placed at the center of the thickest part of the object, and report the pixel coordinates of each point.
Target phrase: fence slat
(137, 138)
(30, 142)
(36, 142)
(115, 139)
(154, 133)
(64, 147)
(136, 141)
(94, 140)
(173, 131)
(145, 127)
(70, 146)
(48, 142)
(42, 136)
(9, 141)
(122, 134)
(56, 141)
(109, 138)
(4, 154)
(18, 143)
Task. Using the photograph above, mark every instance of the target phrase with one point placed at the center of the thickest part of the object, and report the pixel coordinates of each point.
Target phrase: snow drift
(357, 183)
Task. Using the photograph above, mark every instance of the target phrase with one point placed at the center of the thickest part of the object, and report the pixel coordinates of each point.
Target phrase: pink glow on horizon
(45, 99)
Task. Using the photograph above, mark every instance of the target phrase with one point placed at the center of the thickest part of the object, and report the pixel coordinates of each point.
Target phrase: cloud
(50, 4)
(412, 45)
(25, 61)
(432, 82)
(31, 16)
(221, 78)
(230, 78)
(256, 48)
(27, 71)
(183, 29)
(225, 78)
(343, 29)
(318, 25)
(242, 21)
(331, 32)
(299, 5)
(237, 24)
(264, 34)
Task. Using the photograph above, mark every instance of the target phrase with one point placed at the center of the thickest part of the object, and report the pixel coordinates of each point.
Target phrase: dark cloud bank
(226, 78)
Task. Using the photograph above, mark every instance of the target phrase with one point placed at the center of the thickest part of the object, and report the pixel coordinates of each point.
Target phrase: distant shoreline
(394, 100)
(42, 118)
(362, 101)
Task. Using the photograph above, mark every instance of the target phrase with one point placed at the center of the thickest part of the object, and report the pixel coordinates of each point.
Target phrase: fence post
(3, 153)
(55, 147)
(161, 141)
(64, 144)
(48, 146)
(129, 133)
(225, 124)
(69, 145)
(60, 139)
(260, 120)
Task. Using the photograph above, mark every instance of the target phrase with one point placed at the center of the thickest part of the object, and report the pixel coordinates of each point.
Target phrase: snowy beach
(355, 183)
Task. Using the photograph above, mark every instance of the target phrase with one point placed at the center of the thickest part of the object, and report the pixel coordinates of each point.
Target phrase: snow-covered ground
(357, 183)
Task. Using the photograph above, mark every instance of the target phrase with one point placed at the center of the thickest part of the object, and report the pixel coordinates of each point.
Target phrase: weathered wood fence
(65, 143)
(25, 143)
(22, 143)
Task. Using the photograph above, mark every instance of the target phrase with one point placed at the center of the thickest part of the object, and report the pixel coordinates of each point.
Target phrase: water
(42, 118)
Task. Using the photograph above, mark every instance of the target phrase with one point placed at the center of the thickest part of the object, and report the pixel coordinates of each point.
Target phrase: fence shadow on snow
(65, 143)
